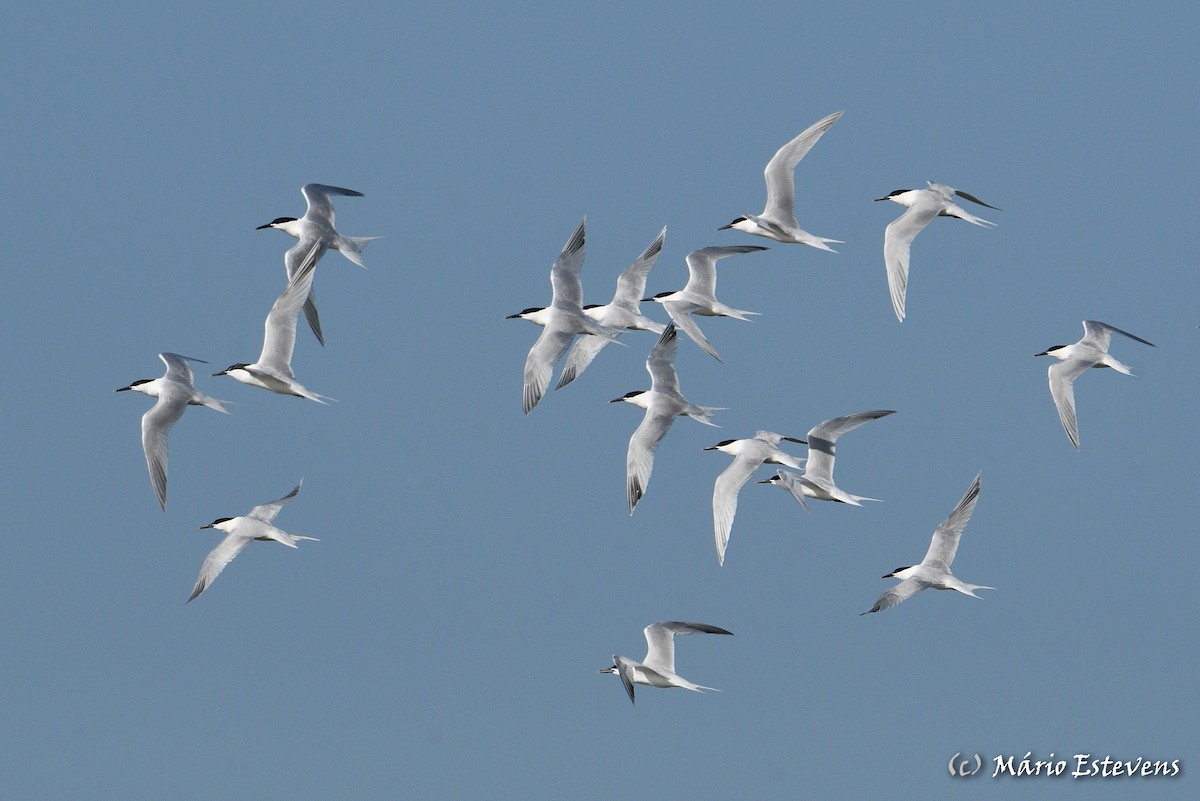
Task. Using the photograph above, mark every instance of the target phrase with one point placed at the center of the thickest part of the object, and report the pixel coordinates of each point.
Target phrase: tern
(817, 480)
(748, 455)
(175, 392)
(622, 312)
(923, 205)
(256, 525)
(934, 570)
(658, 668)
(778, 220)
(698, 296)
(563, 319)
(273, 370)
(316, 226)
(1074, 360)
(662, 402)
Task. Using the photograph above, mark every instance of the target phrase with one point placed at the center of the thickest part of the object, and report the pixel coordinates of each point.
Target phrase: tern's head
(775, 479)
(659, 297)
(524, 314)
(1053, 350)
(231, 368)
(733, 223)
(278, 222)
(896, 573)
(218, 523)
(900, 196)
(137, 386)
(611, 669)
(723, 446)
(630, 397)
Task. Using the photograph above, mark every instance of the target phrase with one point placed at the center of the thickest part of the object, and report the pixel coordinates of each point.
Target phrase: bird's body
(273, 370)
(923, 205)
(748, 455)
(175, 391)
(239, 531)
(817, 480)
(663, 402)
(934, 570)
(622, 313)
(562, 320)
(316, 228)
(778, 220)
(658, 668)
(698, 296)
(1073, 361)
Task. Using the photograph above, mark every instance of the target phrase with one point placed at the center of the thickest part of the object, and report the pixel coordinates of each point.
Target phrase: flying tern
(563, 319)
(256, 525)
(778, 220)
(698, 296)
(923, 205)
(1074, 360)
(273, 370)
(622, 312)
(934, 570)
(658, 668)
(175, 391)
(817, 480)
(662, 402)
(748, 455)
(316, 227)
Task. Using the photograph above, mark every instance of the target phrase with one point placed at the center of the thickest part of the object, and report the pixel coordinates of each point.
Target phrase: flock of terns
(584, 331)
(581, 332)
(176, 390)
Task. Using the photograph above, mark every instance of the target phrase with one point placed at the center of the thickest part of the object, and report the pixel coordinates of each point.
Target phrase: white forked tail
(352, 247)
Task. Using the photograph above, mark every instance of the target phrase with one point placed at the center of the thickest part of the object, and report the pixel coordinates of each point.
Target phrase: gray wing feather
(539, 364)
(725, 496)
(681, 316)
(631, 284)
(1097, 335)
(215, 562)
(897, 241)
(267, 511)
(822, 441)
(1062, 377)
(279, 330)
(901, 592)
(780, 172)
(319, 205)
(156, 423)
(945, 538)
(660, 641)
(565, 283)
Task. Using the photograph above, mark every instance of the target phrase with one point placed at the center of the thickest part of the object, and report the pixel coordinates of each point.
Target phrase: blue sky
(476, 566)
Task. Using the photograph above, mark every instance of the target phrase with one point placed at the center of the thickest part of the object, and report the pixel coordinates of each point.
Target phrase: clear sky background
(478, 566)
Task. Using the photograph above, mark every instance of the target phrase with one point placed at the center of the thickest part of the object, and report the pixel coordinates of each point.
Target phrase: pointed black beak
(122, 389)
(259, 228)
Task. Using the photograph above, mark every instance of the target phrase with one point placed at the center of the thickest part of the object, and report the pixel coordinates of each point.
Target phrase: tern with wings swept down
(663, 402)
(748, 455)
(658, 668)
(1074, 360)
(923, 205)
(561, 320)
(175, 391)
